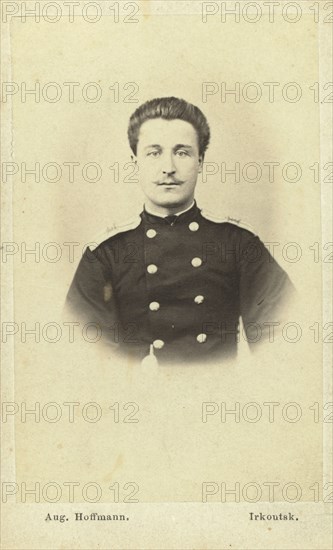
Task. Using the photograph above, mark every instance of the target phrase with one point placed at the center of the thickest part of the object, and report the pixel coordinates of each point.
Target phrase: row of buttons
(201, 339)
(155, 306)
(152, 268)
(151, 233)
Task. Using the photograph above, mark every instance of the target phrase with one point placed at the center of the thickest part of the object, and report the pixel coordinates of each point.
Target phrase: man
(173, 283)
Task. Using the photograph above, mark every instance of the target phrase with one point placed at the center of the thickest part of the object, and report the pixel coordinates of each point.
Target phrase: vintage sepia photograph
(177, 278)
(166, 275)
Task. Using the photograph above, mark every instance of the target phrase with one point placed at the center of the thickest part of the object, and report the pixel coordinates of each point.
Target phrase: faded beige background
(170, 452)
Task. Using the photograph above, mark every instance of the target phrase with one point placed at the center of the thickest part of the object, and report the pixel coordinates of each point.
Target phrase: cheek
(147, 176)
(148, 168)
(191, 172)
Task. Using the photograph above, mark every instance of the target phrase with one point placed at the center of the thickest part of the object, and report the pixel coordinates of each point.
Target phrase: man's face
(169, 163)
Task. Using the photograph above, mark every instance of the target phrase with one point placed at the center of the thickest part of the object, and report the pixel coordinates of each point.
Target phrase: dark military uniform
(177, 286)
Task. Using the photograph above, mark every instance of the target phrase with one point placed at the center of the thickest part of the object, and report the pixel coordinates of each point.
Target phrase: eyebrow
(178, 146)
(153, 145)
(183, 146)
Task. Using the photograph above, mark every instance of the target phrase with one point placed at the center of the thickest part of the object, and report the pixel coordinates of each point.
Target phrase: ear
(200, 162)
(134, 159)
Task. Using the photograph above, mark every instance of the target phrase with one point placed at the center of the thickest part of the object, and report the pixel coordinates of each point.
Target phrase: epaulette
(113, 230)
(213, 218)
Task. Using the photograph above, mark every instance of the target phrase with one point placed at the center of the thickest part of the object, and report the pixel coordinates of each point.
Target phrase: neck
(159, 210)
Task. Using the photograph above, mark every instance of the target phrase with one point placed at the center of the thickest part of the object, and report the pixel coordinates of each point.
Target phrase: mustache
(169, 181)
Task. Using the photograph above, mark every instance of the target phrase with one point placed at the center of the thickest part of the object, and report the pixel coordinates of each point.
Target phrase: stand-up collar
(184, 217)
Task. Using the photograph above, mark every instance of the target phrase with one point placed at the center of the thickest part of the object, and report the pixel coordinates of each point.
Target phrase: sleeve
(266, 292)
(90, 298)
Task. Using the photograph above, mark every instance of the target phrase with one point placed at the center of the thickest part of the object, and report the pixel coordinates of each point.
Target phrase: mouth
(170, 183)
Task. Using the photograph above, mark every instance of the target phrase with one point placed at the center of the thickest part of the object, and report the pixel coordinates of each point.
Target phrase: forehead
(167, 133)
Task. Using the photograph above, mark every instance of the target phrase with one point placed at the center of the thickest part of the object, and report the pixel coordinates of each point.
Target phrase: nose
(169, 173)
(168, 166)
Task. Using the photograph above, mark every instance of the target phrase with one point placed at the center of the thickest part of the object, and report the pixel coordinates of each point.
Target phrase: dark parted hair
(169, 108)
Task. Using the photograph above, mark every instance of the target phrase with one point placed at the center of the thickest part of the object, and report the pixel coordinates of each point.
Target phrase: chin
(170, 202)
(170, 198)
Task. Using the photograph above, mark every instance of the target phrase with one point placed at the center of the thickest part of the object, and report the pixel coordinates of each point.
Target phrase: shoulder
(236, 224)
(114, 230)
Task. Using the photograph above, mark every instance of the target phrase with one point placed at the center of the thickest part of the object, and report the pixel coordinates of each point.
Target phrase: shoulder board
(114, 230)
(213, 218)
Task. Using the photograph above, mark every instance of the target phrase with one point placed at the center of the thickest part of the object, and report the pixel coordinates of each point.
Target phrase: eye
(181, 153)
(153, 154)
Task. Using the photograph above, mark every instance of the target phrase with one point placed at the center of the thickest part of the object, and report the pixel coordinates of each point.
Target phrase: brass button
(201, 338)
(158, 344)
(154, 306)
(193, 226)
(152, 268)
(199, 299)
(151, 233)
(196, 262)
